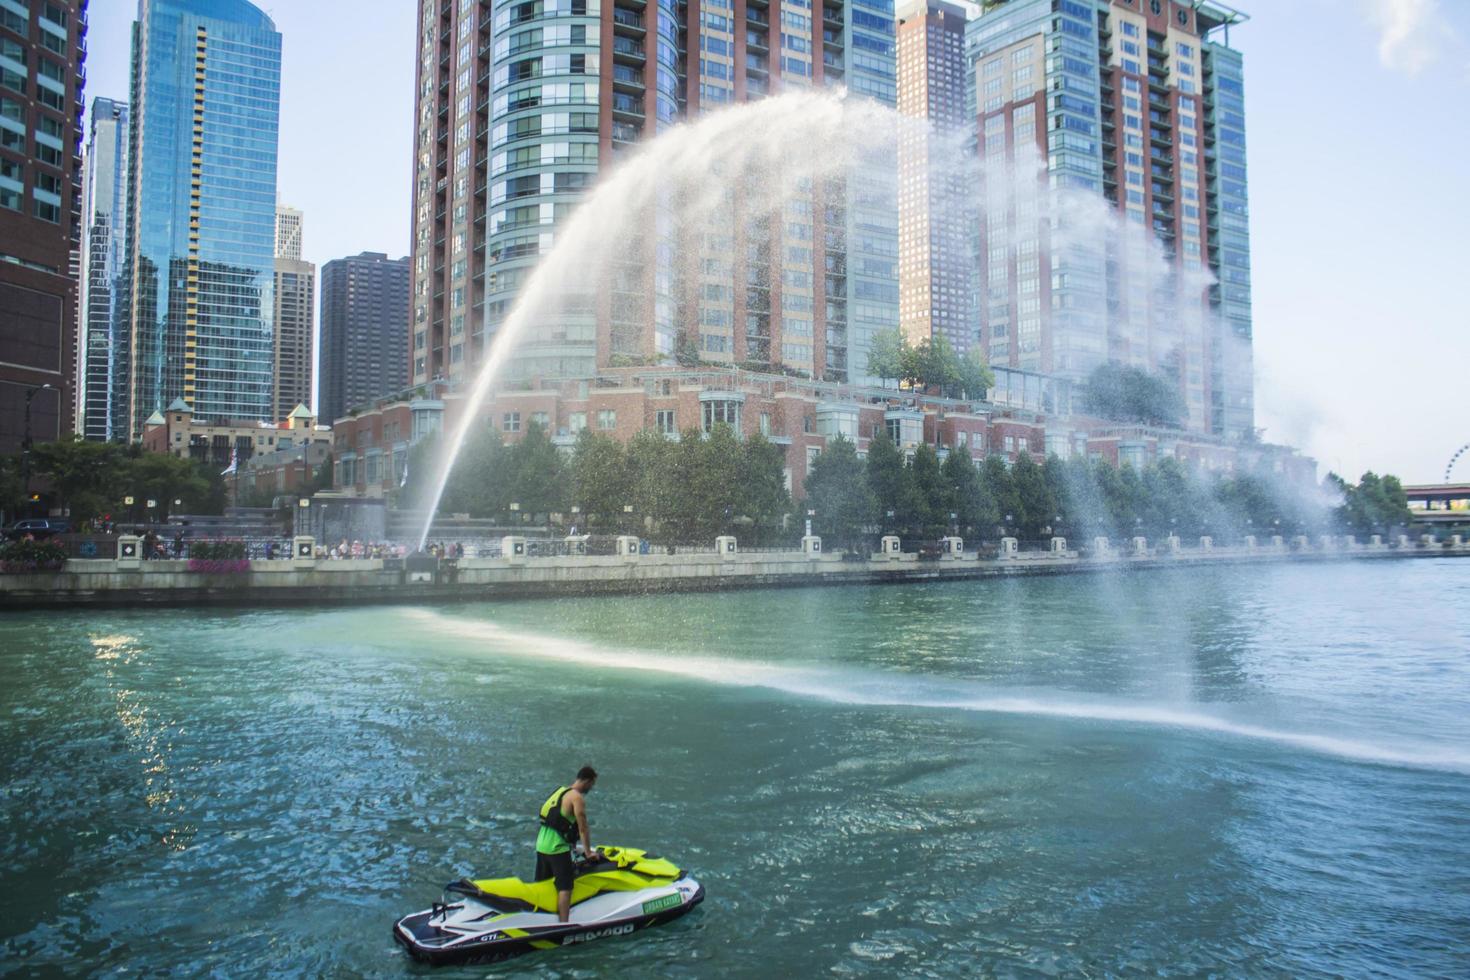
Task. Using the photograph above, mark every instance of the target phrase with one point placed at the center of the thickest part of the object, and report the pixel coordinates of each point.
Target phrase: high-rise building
(1138, 103)
(288, 233)
(364, 331)
(42, 50)
(294, 315)
(520, 107)
(105, 168)
(199, 257)
(934, 258)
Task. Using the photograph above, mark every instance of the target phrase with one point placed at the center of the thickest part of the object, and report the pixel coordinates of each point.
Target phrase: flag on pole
(234, 462)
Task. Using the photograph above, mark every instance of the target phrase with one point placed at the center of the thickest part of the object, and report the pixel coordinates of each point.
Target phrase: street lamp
(25, 445)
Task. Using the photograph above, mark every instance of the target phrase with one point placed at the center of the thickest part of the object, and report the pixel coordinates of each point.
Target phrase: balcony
(627, 49)
(630, 19)
(627, 105)
(626, 77)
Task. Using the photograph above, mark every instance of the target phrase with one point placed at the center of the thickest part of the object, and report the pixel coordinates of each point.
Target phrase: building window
(511, 422)
(541, 419)
(717, 412)
(576, 422)
(607, 419)
(663, 422)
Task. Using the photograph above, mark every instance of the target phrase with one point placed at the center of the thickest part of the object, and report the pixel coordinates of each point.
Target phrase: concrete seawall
(296, 582)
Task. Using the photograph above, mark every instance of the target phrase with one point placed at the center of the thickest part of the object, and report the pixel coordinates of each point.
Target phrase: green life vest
(558, 833)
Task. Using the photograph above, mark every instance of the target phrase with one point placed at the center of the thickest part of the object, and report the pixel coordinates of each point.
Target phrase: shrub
(216, 551)
(18, 557)
(219, 566)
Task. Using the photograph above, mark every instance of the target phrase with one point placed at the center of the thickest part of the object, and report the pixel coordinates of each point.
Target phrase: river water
(1255, 770)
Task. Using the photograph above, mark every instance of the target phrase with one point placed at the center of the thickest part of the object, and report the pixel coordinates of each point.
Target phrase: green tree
(1084, 509)
(684, 520)
(480, 482)
(931, 493)
(892, 484)
(164, 478)
(1034, 504)
(763, 497)
(537, 473)
(649, 479)
(84, 476)
(885, 356)
(837, 489)
(601, 480)
(973, 378)
(1125, 393)
(716, 483)
(686, 351)
(973, 508)
(996, 483)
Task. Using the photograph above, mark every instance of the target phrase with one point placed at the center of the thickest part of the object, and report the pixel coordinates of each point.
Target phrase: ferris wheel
(1455, 459)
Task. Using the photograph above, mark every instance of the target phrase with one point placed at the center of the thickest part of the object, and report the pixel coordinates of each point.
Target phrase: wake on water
(878, 689)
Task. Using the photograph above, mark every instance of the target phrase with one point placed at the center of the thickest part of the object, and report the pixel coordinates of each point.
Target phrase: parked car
(39, 528)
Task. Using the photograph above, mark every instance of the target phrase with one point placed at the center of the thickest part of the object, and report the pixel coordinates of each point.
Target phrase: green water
(1260, 771)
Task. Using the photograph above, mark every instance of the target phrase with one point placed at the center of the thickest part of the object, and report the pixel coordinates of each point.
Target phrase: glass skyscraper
(1136, 107)
(199, 261)
(105, 175)
(521, 105)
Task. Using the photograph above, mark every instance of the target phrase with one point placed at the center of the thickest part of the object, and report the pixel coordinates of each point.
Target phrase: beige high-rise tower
(934, 263)
(295, 303)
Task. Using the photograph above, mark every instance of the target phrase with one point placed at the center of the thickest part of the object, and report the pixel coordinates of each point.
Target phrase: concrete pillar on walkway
(303, 551)
(1428, 541)
(628, 547)
(1140, 547)
(1278, 543)
(954, 548)
(1059, 546)
(890, 547)
(1250, 542)
(129, 551)
(513, 549)
(811, 546)
(1172, 544)
(1376, 541)
(1349, 542)
(727, 547)
(1206, 543)
(1327, 542)
(1102, 548)
(1300, 543)
(1009, 547)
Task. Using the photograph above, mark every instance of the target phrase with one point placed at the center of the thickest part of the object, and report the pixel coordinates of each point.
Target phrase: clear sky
(1359, 151)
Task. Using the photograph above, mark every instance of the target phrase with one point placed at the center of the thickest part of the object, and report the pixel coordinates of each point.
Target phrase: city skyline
(1303, 309)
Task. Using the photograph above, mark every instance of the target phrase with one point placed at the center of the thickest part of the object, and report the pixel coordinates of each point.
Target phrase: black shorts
(557, 866)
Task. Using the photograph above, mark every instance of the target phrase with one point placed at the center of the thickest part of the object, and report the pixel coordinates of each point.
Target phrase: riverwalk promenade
(303, 579)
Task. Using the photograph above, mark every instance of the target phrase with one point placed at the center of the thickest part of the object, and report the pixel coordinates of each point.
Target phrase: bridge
(1440, 503)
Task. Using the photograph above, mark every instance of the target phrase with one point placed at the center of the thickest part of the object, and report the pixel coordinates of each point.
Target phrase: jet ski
(482, 921)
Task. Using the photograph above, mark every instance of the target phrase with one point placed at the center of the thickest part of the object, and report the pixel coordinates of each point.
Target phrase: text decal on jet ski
(587, 937)
(659, 904)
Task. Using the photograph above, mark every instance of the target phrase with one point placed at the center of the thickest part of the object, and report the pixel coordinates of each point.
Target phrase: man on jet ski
(563, 822)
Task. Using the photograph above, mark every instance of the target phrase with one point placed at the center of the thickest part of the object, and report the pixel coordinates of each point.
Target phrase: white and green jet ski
(493, 919)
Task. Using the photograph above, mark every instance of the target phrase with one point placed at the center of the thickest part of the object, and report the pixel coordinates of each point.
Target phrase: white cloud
(1410, 33)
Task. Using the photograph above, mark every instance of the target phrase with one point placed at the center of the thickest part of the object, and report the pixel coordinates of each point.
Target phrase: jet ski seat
(621, 869)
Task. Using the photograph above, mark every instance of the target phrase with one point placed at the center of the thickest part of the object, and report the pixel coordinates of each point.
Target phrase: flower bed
(218, 557)
(219, 566)
(19, 557)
